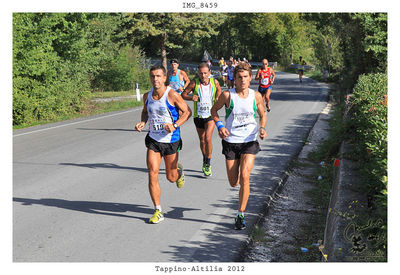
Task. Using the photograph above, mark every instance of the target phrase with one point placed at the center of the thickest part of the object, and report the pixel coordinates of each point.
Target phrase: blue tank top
(161, 112)
(175, 83)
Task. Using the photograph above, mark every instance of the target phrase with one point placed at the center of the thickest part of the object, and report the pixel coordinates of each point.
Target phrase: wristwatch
(175, 126)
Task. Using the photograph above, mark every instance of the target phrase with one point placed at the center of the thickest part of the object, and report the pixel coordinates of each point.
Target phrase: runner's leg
(246, 165)
(267, 94)
(202, 137)
(153, 164)
(209, 128)
(171, 167)
(232, 170)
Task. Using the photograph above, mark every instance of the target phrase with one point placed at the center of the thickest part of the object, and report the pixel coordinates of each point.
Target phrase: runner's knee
(233, 181)
(172, 175)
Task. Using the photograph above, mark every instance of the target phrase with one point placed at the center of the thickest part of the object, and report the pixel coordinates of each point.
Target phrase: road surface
(80, 189)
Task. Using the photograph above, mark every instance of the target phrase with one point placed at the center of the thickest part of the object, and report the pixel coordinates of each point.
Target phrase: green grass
(92, 108)
(114, 94)
(258, 235)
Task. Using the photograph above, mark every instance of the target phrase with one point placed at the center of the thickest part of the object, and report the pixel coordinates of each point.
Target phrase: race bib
(241, 121)
(204, 108)
(157, 126)
(265, 81)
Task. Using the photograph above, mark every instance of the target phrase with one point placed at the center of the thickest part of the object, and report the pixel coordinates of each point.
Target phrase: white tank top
(161, 112)
(240, 118)
(206, 100)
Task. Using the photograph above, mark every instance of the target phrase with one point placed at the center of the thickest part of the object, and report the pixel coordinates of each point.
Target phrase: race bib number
(204, 109)
(265, 81)
(157, 126)
(241, 121)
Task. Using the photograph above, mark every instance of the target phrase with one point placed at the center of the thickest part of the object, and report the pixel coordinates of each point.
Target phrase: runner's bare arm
(219, 90)
(139, 126)
(258, 75)
(185, 78)
(273, 76)
(188, 89)
(184, 111)
(261, 113)
(222, 101)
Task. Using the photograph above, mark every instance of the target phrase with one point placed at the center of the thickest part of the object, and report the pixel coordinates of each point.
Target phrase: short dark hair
(242, 67)
(202, 65)
(158, 67)
(174, 60)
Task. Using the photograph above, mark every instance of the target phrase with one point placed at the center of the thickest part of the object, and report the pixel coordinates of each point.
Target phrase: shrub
(369, 126)
(123, 71)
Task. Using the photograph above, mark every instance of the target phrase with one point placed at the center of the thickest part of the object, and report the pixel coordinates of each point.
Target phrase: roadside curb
(281, 181)
(340, 229)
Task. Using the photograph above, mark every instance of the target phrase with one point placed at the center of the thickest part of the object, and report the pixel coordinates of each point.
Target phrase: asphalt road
(80, 189)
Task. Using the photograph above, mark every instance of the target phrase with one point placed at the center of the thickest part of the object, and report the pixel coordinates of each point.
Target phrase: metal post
(137, 92)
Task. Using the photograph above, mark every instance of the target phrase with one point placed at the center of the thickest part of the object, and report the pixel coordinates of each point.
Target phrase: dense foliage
(369, 129)
(59, 58)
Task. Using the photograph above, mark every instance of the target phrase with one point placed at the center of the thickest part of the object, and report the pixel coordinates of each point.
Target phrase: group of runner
(166, 111)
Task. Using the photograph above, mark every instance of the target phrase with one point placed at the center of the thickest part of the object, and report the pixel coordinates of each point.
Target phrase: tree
(173, 30)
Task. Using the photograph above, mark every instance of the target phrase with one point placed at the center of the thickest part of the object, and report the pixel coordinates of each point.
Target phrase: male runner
(221, 62)
(166, 111)
(178, 79)
(224, 73)
(265, 82)
(229, 77)
(239, 144)
(205, 91)
(301, 65)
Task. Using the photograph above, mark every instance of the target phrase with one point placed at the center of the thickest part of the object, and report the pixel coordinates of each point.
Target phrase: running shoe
(239, 222)
(207, 169)
(157, 217)
(181, 181)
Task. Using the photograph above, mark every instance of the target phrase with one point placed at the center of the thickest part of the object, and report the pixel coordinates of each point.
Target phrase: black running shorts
(235, 150)
(200, 122)
(163, 148)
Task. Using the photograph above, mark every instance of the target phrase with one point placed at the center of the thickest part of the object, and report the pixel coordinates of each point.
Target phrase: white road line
(72, 123)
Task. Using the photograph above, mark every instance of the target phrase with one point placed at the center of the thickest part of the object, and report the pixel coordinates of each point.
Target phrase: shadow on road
(107, 165)
(105, 129)
(91, 207)
(110, 208)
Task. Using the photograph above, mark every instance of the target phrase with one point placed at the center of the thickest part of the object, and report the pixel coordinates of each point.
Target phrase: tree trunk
(163, 51)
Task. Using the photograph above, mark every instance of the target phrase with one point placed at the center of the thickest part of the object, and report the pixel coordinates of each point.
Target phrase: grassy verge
(91, 108)
(112, 94)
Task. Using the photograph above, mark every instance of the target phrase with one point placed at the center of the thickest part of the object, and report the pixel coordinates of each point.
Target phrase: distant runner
(224, 73)
(301, 65)
(265, 77)
(239, 144)
(166, 111)
(178, 79)
(205, 91)
(229, 72)
(221, 62)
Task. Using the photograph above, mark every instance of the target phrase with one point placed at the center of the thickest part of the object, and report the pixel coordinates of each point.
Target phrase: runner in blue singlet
(177, 79)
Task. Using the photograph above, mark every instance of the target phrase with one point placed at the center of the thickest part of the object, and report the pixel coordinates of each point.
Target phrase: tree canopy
(58, 58)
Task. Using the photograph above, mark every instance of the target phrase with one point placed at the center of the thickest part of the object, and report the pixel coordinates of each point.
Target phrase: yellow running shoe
(207, 169)
(181, 181)
(157, 217)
